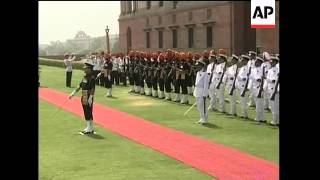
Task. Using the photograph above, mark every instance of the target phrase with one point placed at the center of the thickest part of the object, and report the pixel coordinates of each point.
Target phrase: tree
(96, 44)
(56, 48)
(115, 47)
(42, 52)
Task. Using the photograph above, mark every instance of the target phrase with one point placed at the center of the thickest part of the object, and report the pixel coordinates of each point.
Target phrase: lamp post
(107, 39)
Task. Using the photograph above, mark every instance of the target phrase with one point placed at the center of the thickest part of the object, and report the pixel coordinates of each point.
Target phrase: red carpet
(214, 159)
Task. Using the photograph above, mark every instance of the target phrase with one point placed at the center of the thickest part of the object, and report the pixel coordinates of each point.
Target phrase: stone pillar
(129, 7)
(134, 6)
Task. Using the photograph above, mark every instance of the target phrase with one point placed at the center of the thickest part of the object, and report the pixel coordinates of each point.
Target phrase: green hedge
(61, 57)
(59, 63)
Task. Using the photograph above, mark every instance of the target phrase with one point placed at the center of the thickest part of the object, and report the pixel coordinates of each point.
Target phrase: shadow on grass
(112, 97)
(95, 136)
(212, 126)
(258, 123)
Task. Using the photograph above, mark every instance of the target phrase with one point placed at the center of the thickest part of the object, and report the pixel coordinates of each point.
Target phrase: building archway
(129, 40)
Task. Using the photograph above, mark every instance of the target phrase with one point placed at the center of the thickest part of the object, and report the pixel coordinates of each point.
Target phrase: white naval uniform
(115, 64)
(256, 74)
(68, 63)
(101, 63)
(220, 92)
(230, 77)
(201, 92)
(251, 63)
(272, 77)
(267, 66)
(240, 84)
(95, 63)
(212, 89)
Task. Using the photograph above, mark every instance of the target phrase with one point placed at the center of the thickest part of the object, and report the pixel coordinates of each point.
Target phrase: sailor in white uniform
(256, 83)
(273, 89)
(201, 91)
(231, 75)
(242, 85)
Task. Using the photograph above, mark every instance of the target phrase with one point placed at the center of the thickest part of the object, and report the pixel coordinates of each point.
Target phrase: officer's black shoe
(86, 132)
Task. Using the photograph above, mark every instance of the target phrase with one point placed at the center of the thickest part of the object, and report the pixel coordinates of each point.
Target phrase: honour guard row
(174, 76)
(250, 78)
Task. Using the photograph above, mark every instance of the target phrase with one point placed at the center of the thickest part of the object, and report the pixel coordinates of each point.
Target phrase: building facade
(193, 26)
(81, 40)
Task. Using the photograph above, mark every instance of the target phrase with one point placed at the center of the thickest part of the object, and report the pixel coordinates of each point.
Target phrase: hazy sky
(61, 20)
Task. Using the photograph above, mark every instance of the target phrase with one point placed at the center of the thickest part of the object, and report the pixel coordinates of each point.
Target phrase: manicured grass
(63, 154)
(258, 140)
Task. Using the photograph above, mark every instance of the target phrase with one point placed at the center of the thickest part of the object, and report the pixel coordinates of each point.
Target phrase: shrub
(59, 63)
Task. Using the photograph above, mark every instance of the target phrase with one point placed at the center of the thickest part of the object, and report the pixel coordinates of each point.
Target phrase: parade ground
(140, 137)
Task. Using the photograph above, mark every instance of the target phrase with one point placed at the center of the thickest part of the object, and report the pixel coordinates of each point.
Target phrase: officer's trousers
(123, 78)
(95, 73)
(275, 109)
(233, 102)
(87, 110)
(101, 79)
(213, 97)
(68, 78)
(201, 105)
(266, 99)
(220, 93)
(189, 84)
(244, 104)
(115, 77)
(107, 82)
(167, 85)
(131, 79)
(259, 108)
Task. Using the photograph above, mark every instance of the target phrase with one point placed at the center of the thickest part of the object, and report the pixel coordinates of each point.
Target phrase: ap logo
(263, 14)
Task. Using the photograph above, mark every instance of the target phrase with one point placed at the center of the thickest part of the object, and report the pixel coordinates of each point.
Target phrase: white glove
(90, 100)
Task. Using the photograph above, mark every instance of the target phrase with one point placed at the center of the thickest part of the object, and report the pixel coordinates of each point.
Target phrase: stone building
(193, 26)
(81, 40)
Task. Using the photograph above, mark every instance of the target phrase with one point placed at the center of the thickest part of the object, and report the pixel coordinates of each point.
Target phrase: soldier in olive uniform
(88, 88)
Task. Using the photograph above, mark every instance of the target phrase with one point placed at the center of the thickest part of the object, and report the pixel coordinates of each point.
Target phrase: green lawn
(67, 155)
(258, 140)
